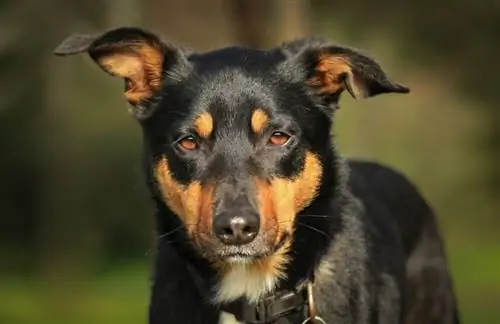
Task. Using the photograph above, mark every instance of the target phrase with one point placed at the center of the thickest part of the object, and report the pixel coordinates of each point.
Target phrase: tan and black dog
(259, 219)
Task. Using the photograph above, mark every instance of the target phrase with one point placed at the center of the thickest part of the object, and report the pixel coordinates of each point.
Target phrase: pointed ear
(331, 69)
(130, 53)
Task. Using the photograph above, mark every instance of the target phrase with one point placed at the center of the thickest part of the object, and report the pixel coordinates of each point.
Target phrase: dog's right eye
(188, 143)
(279, 138)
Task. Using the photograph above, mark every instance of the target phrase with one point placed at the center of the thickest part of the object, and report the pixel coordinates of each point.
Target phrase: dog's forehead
(231, 93)
(235, 74)
(236, 57)
(228, 84)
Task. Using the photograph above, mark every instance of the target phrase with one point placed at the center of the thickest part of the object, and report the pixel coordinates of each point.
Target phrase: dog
(259, 218)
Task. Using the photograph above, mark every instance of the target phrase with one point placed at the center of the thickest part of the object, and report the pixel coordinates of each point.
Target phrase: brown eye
(188, 143)
(279, 138)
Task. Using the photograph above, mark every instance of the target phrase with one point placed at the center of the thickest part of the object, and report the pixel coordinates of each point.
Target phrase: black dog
(259, 218)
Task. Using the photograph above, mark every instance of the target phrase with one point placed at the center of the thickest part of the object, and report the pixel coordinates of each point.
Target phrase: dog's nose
(236, 230)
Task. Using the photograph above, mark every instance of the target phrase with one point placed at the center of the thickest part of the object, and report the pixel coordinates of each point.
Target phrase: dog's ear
(331, 69)
(136, 55)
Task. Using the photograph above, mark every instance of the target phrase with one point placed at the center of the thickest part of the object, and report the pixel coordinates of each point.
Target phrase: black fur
(364, 229)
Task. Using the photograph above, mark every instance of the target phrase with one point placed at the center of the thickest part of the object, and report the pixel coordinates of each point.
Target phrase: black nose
(236, 230)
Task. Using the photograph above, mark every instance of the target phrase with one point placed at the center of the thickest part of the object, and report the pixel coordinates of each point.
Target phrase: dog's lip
(255, 255)
(243, 255)
(285, 238)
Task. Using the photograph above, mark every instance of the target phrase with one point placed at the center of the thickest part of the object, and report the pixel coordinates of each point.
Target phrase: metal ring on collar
(317, 319)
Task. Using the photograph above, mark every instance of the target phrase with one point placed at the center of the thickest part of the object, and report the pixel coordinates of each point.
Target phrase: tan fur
(328, 78)
(140, 64)
(204, 125)
(281, 199)
(259, 120)
(191, 203)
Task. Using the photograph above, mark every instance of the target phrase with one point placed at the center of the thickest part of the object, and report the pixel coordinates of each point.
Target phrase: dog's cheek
(283, 192)
(170, 189)
(293, 195)
(189, 202)
(205, 202)
(267, 212)
(308, 182)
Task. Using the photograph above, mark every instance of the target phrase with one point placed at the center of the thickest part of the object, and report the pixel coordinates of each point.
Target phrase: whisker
(314, 229)
(174, 230)
(169, 232)
(314, 215)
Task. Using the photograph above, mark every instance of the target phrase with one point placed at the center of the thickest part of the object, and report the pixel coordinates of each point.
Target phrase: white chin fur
(238, 260)
(239, 282)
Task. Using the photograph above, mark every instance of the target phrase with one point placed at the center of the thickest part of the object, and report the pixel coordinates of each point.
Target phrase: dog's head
(239, 138)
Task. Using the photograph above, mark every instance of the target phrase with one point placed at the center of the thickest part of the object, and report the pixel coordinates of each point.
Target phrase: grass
(119, 296)
(476, 270)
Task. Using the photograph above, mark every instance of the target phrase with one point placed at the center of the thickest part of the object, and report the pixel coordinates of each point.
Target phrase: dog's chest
(241, 281)
(227, 318)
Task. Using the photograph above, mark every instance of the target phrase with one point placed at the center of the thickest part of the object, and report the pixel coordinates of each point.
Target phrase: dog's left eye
(188, 143)
(279, 138)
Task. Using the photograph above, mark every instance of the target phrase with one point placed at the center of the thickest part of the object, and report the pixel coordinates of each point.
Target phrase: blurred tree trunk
(261, 23)
(210, 24)
(199, 24)
(250, 21)
(61, 209)
(68, 242)
(65, 230)
(60, 218)
(292, 19)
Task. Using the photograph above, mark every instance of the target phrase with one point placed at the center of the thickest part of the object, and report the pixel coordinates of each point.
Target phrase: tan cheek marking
(259, 120)
(279, 202)
(191, 203)
(205, 212)
(267, 210)
(307, 184)
(329, 70)
(281, 199)
(292, 196)
(204, 125)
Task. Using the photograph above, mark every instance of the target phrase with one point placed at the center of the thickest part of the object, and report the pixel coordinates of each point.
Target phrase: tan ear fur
(140, 64)
(129, 53)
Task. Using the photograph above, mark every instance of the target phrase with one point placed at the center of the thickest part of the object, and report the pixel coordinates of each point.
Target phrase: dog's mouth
(252, 252)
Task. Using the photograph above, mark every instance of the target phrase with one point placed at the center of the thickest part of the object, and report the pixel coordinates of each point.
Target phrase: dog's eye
(279, 138)
(188, 143)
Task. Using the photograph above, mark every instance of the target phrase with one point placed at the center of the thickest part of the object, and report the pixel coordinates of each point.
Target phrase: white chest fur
(240, 281)
(226, 318)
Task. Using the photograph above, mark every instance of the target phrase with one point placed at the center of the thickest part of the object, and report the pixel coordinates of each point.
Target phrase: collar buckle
(271, 308)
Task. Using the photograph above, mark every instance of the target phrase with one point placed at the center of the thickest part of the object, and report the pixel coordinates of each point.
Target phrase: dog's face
(239, 138)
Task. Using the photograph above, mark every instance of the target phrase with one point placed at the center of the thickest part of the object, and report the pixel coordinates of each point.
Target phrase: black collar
(282, 307)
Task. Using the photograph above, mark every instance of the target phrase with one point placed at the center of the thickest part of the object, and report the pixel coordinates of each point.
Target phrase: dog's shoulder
(390, 199)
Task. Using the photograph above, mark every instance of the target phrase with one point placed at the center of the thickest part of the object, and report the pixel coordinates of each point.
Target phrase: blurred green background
(76, 223)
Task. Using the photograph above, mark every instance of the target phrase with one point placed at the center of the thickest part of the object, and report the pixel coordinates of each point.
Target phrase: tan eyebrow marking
(259, 120)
